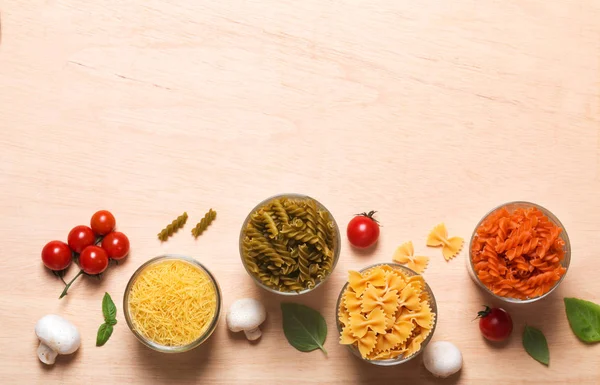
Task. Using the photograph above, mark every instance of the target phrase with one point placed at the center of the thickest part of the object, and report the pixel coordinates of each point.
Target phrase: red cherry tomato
(56, 255)
(116, 245)
(93, 260)
(103, 222)
(80, 237)
(495, 324)
(363, 230)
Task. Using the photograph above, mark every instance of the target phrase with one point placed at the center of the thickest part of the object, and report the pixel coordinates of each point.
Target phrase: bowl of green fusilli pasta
(289, 244)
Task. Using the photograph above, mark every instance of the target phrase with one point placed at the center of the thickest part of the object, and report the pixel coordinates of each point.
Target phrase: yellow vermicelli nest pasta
(385, 313)
(289, 244)
(172, 302)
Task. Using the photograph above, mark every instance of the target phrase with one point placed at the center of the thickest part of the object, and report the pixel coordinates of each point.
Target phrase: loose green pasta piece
(289, 244)
(210, 216)
(178, 223)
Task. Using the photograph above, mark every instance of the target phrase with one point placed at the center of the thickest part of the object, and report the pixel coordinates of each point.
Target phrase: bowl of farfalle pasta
(386, 314)
(519, 252)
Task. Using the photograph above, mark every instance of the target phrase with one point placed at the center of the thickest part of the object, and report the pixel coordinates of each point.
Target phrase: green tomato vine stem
(64, 292)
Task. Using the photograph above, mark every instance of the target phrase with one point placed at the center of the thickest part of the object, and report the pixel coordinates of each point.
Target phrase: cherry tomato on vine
(103, 222)
(56, 255)
(80, 237)
(495, 323)
(363, 230)
(93, 260)
(116, 245)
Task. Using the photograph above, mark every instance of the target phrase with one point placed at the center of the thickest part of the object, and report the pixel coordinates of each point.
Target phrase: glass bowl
(511, 207)
(336, 244)
(164, 348)
(398, 360)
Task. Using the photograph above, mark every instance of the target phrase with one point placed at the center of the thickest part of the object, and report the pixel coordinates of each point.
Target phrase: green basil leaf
(109, 310)
(535, 345)
(104, 333)
(304, 328)
(584, 318)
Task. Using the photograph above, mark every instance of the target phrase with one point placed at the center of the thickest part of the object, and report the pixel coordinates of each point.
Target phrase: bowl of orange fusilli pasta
(289, 244)
(386, 314)
(519, 252)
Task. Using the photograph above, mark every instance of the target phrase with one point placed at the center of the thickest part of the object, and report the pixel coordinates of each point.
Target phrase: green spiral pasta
(288, 244)
(210, 216)
(303, 263)
(270, 224)
(294, 210)
(178, 223)
(280, 213)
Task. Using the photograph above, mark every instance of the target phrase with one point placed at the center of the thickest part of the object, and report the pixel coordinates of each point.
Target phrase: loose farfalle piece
(405, 255)
(439, 237)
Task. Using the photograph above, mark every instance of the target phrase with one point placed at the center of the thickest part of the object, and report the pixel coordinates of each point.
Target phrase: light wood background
(427, 111)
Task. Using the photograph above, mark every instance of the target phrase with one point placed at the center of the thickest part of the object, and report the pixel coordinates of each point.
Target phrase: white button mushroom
(442, 358)
(246, 314)
(57, 336)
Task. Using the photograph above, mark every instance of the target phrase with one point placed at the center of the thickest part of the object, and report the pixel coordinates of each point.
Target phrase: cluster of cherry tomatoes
(94, 245)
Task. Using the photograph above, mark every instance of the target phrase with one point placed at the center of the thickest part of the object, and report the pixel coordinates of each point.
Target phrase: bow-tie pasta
(439, 237)
(385, 313)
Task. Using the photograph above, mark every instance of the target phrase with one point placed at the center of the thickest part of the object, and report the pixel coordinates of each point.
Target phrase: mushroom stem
(46, 354)
(253, 334)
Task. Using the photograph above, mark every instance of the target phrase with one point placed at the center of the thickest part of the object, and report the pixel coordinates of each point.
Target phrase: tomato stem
(64, 292)
(484, 313)
(99, 240)
(60, 274)
(369, 215)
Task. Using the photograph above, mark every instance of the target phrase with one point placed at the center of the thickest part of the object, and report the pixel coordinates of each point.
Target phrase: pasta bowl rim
(565, 263)
(393, 361)
(336, 250)
(164, 348)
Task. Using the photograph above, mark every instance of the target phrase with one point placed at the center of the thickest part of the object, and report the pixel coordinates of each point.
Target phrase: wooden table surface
(426, 111)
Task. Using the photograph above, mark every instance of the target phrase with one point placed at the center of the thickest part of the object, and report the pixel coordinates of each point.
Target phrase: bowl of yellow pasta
(172, 303)
(386, 314)
(289, 244)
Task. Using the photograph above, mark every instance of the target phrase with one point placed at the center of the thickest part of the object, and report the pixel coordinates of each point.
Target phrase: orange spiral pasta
(519, 254)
